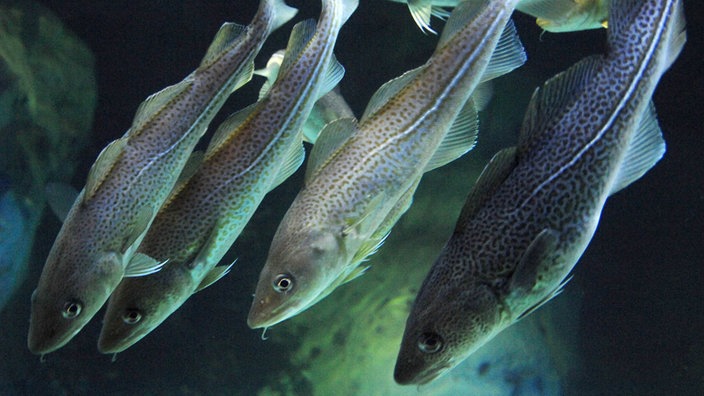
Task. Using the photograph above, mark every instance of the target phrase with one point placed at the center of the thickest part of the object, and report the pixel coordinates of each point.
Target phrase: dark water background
(642, 276)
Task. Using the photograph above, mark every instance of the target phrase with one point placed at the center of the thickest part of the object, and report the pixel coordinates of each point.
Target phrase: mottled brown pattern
(563, 174)
(350, 196)
(89, 255)
(220, 198)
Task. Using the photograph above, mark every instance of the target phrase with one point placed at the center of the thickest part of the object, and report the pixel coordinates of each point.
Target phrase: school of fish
(155, 218)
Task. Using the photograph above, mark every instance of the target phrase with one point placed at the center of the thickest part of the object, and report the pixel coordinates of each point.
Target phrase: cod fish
(552, 15)
(130, 181)
(588, 133)
(360, 178)
(252, 152)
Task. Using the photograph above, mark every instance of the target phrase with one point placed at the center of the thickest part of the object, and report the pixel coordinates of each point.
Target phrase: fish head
(444, 326)
(65, 300)
(140, 304)
(298, 272)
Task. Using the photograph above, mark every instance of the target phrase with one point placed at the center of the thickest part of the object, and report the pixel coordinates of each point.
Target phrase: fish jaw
(445, 325)
(59, 311)
(134, 310)
(306, 262)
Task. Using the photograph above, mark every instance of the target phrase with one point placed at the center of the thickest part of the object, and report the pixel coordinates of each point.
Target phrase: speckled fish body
(588, 133)
(361, 177)
(252, 152)
(552, 15)
(130, 181)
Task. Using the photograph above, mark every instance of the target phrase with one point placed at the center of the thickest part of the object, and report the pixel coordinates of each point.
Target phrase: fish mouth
(408, 376)
(41, 343)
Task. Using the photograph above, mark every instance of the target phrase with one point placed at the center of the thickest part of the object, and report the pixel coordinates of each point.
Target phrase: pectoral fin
(213, 276)
(141, 265)
(533, 281)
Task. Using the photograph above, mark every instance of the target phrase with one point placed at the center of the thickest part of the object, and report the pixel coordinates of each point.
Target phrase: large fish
(130, 180)
(360, 178)
(552, 15)
(252, 152)
(588, 133)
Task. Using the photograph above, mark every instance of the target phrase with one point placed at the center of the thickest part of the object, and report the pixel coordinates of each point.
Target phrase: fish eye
(283, 283)
(71, 309)
(430, 342)
(132, 316)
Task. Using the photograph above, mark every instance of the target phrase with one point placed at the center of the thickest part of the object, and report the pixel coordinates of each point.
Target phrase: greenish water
(630, 322)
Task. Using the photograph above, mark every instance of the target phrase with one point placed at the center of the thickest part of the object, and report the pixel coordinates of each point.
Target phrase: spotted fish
(131, 179)
(252, 152)
(552, 15)
(588, 133)
(360, 178)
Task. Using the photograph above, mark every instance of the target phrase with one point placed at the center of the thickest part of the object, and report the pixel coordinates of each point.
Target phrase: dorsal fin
(331, 138)
(461, 16)
(225, 37)
(227, 128)
(554, 96)
(388, 90)
(460, 138)
(103, 165)
(645, 149)
(493, 175)
(298, 40)
(156, 102)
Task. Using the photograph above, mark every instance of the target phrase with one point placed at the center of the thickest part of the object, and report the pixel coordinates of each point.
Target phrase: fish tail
(282, 12)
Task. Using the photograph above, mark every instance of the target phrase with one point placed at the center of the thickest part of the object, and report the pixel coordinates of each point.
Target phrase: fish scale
(588, 132)
(335, 221)
(128, 183)
(249, 155)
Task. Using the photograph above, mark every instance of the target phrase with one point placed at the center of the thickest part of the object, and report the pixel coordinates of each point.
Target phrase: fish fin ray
(300, 36)
(333, 135)
(156, 102)
(141, 265)
(213, 276)
(388, 90)
(290, 164)
(332, 106)
(493, 175)
(460, 138)
(530, 285)
(507, 56)
(421, 12)
(103, 165)
(554, 293)
(362, 224)
(554, 96)
(228, 33)
(462, 15)
(228, 129)
(644, 150)
(333, 75)
(138, 229)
